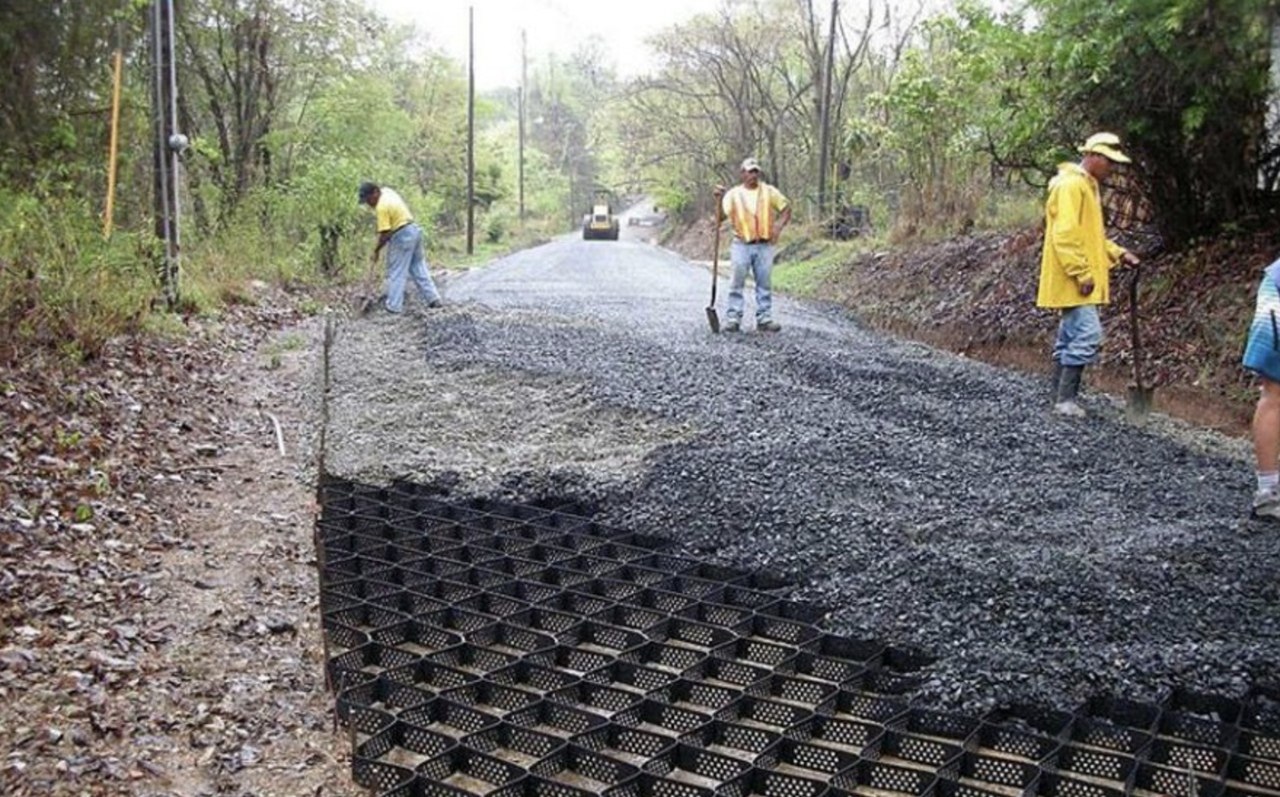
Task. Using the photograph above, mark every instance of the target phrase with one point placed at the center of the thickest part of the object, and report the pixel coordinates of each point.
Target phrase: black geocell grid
(507, 649)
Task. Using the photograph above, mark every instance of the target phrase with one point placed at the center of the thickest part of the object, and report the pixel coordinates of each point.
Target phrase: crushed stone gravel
(929, 500)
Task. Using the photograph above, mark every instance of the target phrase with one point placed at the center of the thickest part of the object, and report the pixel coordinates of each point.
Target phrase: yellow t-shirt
(393, 213)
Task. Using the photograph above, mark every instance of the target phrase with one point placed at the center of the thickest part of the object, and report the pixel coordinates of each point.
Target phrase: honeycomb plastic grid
(466, 766)
(770, 783)
(514, 744)
(422, 597)
(689, 762)
(584, 768)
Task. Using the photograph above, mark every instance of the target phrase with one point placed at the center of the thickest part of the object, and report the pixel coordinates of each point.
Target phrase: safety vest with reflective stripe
(757, 226)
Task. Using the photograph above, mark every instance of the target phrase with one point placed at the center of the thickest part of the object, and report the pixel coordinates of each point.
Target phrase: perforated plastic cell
(779, 717)
(929, 752)
(513, 743)
(1127, 713)
(728, 671)
(405, 736)
(630, 547)
(649, 785)
(387, 694)
(456, 620)
(550, 716)
(742, 597)
(686, 759)
(1181, 755)
(767, 783)
(461, 767)
(602, 636)
(1074, 760)
(580, 766)
(610, 589)
(577, 603)
(731, 618)
(815, 695)
(669, 657)
(1109, 736)
(697, 695)
(1258, 745)
(691, 586)
(1175, 782)
(738, 741)
(378, 776)
(753, 651)
(837, 672)
(418, 638)
(574, 661)
(679, 630)
(958, 728)
(712, 572)
(544, 621)
(527, 591)
(634, 618)
(885, 777)
(998, 771)
(869, 708)
(661, 718)
(492, 604)
(780, 629)
(1254, 772)
(630, 573)
(951, 788)
(371, 658)
(597, 698)
(451, 719)
(560, 577)
(365, 617)
(1015, 740)
(534, 786)
(619, 741)
(630, 676)
(850, 735)
(490, 697)
(660, 599)
(508, 637)
(473, 659)
(532, 678)
(820, 762)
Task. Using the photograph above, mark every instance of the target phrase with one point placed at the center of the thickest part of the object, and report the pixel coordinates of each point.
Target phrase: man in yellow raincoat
(1075, 266)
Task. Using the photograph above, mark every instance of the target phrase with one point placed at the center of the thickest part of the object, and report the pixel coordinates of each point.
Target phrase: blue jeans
(405, 259)
(757, 259)
(1079, 336)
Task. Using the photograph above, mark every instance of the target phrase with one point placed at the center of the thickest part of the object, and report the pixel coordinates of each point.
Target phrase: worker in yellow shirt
(1076, 263)
(402, 238)
(758, 213)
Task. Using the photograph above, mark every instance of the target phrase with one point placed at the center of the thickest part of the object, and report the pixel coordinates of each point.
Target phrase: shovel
(1138, 406)
(370, 293)
(712, 318)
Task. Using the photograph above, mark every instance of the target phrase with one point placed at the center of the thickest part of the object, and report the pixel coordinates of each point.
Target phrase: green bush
(62, 286)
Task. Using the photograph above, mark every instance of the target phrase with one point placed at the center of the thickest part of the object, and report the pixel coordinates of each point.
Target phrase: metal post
(113, 149)
(824, 145)
(471, 131)
(524, 77)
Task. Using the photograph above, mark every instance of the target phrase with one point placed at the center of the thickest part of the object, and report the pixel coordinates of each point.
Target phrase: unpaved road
(929, 500)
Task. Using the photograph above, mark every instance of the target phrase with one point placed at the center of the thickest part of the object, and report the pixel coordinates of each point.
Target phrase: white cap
(750, 164)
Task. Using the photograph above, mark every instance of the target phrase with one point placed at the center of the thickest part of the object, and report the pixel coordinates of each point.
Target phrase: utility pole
(824, 144)
(524, 93)
(471, 130)
(168, 145)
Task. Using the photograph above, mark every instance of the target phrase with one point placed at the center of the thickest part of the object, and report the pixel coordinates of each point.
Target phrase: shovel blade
(1139, 403)
(713, 319)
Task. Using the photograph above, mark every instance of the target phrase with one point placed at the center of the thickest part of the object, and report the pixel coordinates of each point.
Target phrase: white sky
(557, 26)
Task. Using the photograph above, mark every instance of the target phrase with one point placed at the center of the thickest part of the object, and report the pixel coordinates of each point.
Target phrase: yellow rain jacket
(1075, 243)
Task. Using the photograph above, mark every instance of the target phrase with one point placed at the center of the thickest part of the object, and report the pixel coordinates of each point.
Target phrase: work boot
(768, 325)
(1068, 389)
(1266, 504)
(732, 326)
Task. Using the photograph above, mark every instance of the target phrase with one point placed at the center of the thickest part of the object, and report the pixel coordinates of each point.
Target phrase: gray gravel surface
(929, 500)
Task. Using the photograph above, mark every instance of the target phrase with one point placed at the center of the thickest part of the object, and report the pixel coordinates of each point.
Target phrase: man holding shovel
(1076, 263)
(758, 213)
(402, 238)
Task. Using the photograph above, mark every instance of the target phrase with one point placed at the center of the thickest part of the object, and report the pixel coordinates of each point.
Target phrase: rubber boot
(1068, 390)
(1055, 377)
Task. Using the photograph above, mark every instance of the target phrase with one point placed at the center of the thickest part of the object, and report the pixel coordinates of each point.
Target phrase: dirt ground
(169, 643)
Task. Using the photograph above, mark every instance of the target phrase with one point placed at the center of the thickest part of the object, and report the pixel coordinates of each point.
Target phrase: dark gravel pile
(930, 501)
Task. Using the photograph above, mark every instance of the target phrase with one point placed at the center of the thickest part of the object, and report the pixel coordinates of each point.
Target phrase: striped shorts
(1262, 351)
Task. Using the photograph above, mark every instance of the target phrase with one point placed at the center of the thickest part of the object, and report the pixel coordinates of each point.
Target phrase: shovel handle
(1135, 338)
(715, 253)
